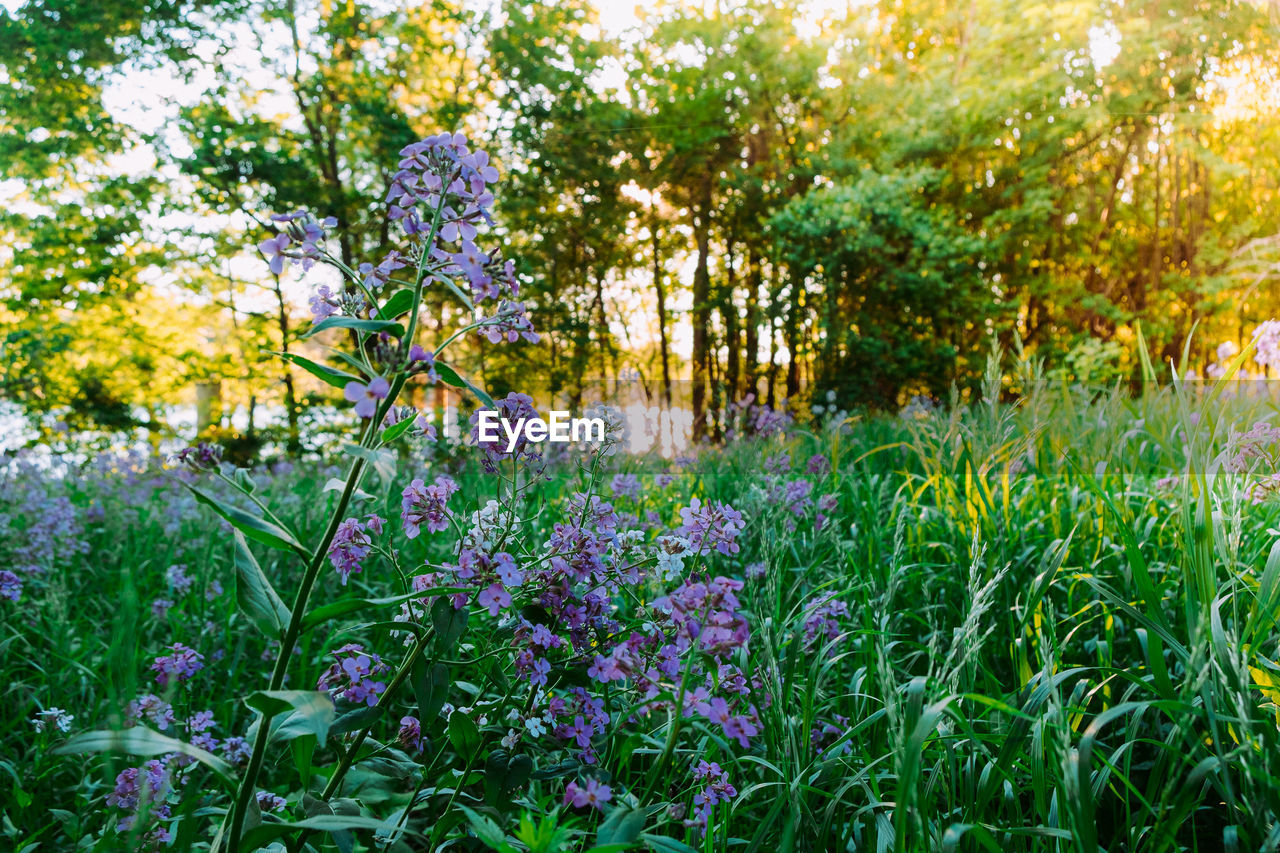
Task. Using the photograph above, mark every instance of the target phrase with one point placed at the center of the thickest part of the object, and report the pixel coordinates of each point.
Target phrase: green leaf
(458, 292)
(310, 712)
(430, 682)
(336, 378)
(260, 835)
(487, 830)
(343, 606)
(449, 376)
(401, 302)
(255, 595)
(244, 481)
(449, 622)
(662, 842)
(367, 327)
(141, 740)
(255, 528)
(622, 826)
(383, 461)
(464, 735)
(354, 721)
(303, 748)
(396, 430)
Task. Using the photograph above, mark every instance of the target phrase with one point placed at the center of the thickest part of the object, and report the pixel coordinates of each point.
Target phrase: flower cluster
(1266, 338)
(301, 228)
(40, 530)
(711, 525)
(492, 575)
(513, 408)
(821, 619)
(1243, 450)
(594, 794)
(138, 789)
(352, 543)
(53, 717)
(715, 789)
(425, 506)
(355, 676)
(200, 457)
(181, 664)
(10, 585)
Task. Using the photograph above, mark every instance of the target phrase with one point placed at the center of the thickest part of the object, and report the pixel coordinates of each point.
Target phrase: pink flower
(366, 397)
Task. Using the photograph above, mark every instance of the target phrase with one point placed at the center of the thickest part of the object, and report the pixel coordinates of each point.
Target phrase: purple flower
(179, 579)
(182, 664)
(713, 524)
(366, 397)
(423, 361)
(10, 585)
(509, 323)
(821, 619)
(355, 676)
(508, 572)
(625, 485)
(151, 708)
(424, 506)
(494, 598)
(716, 789)
(595, 794)
(375, 278)
(410, 734)
(160, 608)
(235, 750)
(351, 544)
(270, 802)
(273, 250)
(200, 721)
(200, 457)
(323, 304)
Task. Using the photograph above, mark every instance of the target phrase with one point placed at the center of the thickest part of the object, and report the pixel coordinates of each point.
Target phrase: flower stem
(249, 782)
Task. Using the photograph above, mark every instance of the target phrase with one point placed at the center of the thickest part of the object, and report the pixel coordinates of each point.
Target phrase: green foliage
(896, 288)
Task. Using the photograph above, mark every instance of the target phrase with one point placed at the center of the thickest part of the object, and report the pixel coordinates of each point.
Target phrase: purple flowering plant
(534, 646)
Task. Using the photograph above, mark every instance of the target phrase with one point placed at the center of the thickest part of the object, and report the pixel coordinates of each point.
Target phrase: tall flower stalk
(441, 198)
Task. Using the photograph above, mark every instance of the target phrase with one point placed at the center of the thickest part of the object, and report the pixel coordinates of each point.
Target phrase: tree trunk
(660, 288)
(751, 347)
(732, 333)
(701, 308)
(208, 404)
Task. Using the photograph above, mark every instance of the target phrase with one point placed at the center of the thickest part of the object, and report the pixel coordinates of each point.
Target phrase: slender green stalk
(249, 782)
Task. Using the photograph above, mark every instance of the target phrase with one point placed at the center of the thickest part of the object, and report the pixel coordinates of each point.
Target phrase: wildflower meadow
(1042, 624)
(511, 429)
